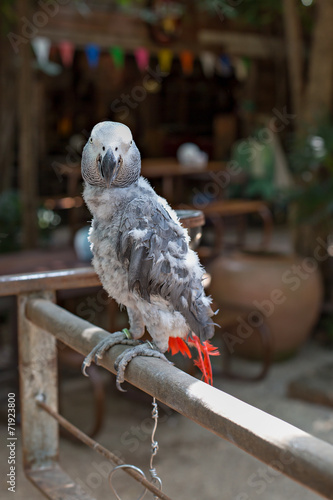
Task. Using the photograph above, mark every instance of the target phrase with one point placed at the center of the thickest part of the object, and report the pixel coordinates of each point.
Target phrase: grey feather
(172, 282)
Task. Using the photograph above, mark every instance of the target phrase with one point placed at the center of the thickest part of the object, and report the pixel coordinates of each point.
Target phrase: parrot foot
(145, 349)
(104, 345)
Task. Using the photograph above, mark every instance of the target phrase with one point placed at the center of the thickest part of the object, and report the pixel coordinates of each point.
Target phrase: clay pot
(285, 291)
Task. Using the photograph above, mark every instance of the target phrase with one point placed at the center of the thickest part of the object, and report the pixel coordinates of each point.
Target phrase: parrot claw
(145, 349)
(104, 345)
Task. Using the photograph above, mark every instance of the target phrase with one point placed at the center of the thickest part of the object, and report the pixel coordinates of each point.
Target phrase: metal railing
(291, 451)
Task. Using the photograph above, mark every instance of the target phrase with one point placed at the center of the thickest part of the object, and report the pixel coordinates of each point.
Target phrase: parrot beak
(109, 167)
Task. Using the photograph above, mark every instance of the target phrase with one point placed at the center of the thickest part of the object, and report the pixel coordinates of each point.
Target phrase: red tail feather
(205, 350)
(176, 344)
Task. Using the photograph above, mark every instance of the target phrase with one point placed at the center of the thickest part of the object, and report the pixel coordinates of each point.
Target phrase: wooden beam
(49, 280)
(113, 28)
(243, 44)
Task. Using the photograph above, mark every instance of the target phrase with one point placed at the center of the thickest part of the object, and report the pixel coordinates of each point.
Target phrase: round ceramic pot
(284, 291)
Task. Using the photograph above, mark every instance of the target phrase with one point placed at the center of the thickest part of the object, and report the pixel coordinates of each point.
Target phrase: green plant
(11, 221)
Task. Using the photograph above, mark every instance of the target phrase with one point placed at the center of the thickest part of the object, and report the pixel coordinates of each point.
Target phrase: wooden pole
(27, 148)
(294, 49)
(8, 83)
(319, 91)
(38, 374)
(40, 435)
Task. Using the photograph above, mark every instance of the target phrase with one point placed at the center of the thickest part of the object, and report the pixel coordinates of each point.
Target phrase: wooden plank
(49, 280)
(284, 447)
(244, 44)
(109, 28)
(56, 484)
(315, 386)
(38, 375)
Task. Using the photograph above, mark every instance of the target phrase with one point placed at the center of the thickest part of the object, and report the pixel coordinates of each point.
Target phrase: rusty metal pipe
(295, 453)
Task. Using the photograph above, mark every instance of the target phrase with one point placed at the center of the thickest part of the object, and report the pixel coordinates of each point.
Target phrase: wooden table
(169, 169)
(219, 209)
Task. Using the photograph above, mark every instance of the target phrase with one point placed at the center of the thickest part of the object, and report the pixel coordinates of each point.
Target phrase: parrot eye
(103, 148)
(90, 139)
(116, 149)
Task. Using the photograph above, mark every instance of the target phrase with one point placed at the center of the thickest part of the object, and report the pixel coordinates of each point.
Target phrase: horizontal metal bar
(101, 450)
(65, 279)
(284, 447)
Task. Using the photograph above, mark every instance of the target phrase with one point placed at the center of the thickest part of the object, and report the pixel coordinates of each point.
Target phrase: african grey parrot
(140, 252)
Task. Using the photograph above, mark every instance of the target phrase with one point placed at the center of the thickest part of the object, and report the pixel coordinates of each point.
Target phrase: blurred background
(230, 104)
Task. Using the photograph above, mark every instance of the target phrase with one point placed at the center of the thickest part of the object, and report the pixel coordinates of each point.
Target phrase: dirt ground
(192, 462)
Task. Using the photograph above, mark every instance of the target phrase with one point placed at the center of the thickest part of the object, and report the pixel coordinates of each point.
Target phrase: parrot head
(110, 157)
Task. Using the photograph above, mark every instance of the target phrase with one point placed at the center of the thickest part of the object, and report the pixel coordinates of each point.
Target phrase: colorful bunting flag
(142, 58)
(41, 46)
(66, 50)
(241, 69)
(223, 66)
(165, 57)
(118, 56)
(208, 63)
(186, 59)
(92, 53)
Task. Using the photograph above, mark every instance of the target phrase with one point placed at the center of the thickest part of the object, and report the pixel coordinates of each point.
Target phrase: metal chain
(154, 448)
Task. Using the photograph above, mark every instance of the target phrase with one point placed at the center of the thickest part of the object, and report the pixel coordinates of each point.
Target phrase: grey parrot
(141, 253)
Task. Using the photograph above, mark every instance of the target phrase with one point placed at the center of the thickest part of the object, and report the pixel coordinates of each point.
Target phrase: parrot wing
(155, 252)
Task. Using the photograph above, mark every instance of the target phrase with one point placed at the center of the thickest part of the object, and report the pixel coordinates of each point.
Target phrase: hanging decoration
(142, 58)
(66, 50)
(208, 63)
(241, 68)
(118, 56)
(41, 46)
(165, 57)
(186, 59)
(247, 62)
(92, 53)
(223, 66)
